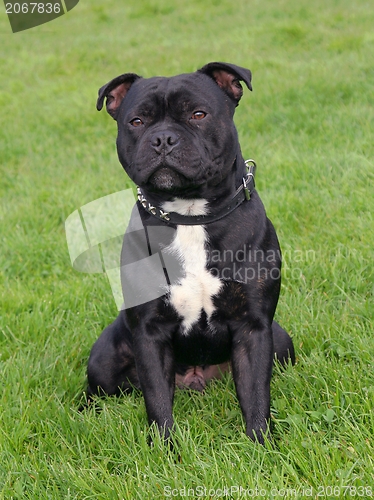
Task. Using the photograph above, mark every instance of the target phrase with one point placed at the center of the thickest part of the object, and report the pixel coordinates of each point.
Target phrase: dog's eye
(136, 122)
(198, 115)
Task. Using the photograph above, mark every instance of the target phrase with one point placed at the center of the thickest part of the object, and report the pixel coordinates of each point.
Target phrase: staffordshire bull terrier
(213, 255)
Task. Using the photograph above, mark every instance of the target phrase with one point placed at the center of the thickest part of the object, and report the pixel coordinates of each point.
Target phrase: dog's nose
(164, 141)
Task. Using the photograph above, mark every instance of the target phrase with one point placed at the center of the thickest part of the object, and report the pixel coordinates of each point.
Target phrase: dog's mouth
(167, 179)
(170, 181)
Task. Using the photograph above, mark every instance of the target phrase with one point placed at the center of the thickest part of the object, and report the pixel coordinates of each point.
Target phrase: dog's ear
(228, 77)
(114, 91)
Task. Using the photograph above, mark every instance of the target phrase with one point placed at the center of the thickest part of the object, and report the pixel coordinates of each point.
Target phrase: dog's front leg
(252, 359)
(156, 371)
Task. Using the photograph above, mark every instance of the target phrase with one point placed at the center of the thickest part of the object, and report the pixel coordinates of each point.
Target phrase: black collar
(243, 193)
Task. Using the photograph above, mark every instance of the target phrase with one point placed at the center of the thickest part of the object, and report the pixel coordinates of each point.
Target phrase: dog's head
(177, 134)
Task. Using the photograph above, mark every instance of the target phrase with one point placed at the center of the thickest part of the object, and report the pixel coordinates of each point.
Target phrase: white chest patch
(193, 294)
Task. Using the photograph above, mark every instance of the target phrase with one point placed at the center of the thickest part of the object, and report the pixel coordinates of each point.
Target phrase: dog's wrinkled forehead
(178, 93)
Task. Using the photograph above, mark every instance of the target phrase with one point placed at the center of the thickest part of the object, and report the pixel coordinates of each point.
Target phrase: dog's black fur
(177, 139)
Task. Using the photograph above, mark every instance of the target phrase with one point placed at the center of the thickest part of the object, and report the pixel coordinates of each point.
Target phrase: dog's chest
(194, 292)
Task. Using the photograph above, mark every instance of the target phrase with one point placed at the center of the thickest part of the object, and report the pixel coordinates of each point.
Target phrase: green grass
(309, 125)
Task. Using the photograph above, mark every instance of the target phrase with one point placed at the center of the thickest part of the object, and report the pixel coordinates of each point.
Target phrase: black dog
(206, 298)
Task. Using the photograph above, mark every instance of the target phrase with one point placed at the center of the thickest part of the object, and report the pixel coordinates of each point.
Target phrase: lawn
(309, 125)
